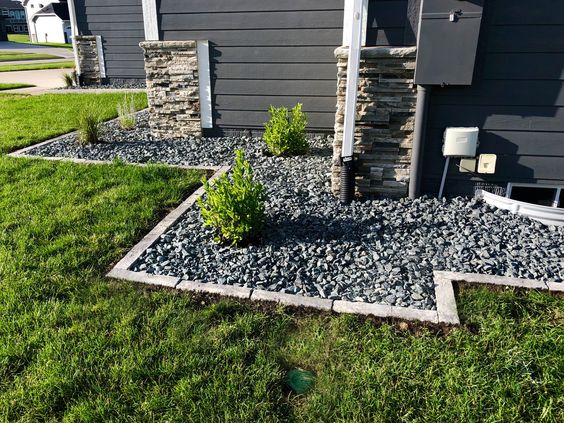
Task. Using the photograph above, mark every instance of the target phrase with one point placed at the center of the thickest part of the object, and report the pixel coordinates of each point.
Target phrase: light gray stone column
(89, 62)
(384, 120)
(172, 88)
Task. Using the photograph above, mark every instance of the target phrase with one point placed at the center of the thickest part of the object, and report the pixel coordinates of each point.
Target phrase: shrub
(126, 113)
(69, 79)
(284, 133)
(234, 205)
(89, 127)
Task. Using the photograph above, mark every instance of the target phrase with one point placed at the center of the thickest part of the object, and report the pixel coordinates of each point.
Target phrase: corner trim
(204, 83)
(150, 20)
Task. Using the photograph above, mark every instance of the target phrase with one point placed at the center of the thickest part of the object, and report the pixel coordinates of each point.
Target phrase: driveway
(8, 46)
(43, 80)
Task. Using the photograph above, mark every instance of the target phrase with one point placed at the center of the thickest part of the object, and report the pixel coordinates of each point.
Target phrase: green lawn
(24, 39)
(29, 119)
(75, 346)
(7, 86)
(37, 66)
(9, 57)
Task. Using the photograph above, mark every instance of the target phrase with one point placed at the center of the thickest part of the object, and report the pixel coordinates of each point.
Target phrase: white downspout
(356, 40)
(74, 33)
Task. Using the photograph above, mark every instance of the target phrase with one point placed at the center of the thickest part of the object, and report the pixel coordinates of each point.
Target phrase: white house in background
(48, 20)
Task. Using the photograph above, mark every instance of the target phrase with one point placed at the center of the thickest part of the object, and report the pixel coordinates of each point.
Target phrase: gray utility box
(447, 41)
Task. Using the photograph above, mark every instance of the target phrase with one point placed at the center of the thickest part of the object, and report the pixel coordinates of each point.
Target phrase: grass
(24, 39)
(9, 86)
(8, 57)
(29, 119)
(75, 346)
(37, 66)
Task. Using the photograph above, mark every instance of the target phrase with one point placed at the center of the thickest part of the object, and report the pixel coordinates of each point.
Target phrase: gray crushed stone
(380, 251)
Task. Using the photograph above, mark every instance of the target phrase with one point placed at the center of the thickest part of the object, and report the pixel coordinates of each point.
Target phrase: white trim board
(150, 20)
(348, 17)
(355, 37)
(101, 59)
(74, 32)
(204, 83)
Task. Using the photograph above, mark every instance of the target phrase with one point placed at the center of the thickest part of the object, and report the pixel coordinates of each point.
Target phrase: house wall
(49, 29)
(516, 99)
(121, 29)
(263, 52)
(392, 22)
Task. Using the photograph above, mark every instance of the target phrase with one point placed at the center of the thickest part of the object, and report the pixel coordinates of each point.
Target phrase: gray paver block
(446, 302)
(493, 280)
(292, 300)
(143, 277)
(378, 310)
(555, 286)
(415, 314)
(211, 288)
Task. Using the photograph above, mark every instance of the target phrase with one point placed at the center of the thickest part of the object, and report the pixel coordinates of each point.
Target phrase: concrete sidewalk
(44, 80)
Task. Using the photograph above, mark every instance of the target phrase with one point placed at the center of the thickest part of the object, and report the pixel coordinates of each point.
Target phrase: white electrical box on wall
(486, 163)
(460, 142)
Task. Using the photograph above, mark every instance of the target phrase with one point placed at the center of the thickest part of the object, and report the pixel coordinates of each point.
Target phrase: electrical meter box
(447, 41)
(460, 142)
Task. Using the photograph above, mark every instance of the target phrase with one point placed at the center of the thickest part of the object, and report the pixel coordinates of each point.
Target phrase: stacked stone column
(384, 120)
(172, 88)
(88, 59)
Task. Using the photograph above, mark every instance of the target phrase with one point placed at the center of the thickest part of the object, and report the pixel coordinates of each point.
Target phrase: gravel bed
(137, 146)
(113, 85)
(381, 251)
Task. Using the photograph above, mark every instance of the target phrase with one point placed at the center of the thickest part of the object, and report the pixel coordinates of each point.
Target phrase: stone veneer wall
(172, 88)
(384, 121)
(88, 60)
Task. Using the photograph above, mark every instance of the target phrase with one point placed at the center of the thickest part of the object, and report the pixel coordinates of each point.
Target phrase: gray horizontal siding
(263, 52)
(392, 22)
(517, 99)
(121, 29)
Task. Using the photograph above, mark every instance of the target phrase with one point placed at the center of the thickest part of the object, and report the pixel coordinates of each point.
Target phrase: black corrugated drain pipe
(346, 193)
(421, 107)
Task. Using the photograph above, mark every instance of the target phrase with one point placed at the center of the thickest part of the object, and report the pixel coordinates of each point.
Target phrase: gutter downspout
(347, 163)
(74, 33)
(420, 127)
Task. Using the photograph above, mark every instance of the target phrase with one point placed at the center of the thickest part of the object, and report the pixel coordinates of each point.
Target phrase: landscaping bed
(381, 251)
(75, 346)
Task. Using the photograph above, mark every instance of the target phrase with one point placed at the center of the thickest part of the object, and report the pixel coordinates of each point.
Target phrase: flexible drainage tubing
(421, 108)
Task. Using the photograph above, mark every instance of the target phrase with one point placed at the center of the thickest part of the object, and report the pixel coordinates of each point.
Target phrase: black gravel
(374, 251)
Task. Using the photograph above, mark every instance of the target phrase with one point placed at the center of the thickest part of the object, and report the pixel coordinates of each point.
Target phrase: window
(5, 12)
(543, 195)
(8, 28)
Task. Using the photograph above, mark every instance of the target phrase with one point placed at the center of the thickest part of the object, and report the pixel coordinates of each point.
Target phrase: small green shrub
(234, 205)
(69, 79)
(284, 133)
(126, 113)
(89, 128)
